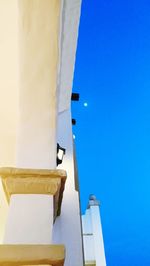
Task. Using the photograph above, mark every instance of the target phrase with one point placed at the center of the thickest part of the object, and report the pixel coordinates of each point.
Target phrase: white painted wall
(67, 228)
(3, 212)
(36, 142)
(8, 93)
(30, 220)
(89, 251)
(92, 235)
(30, 217)
(38, 62)
(8, 80)
(70, 23)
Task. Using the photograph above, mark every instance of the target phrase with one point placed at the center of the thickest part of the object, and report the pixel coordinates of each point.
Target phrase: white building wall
(67, 228)
(8, 93)
(70, 19)
(35, 134)
(30, 220)
(38, 28)
(89, 251)
(92, 235)
(8, 80)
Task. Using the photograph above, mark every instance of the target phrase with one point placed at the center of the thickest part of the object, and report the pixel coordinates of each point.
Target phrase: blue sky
(113, 132)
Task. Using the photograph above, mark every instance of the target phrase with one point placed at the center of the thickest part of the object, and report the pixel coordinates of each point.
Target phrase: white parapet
(92, 235)
(30, 220)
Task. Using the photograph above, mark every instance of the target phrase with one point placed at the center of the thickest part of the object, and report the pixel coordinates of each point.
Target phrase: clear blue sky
(113, 132)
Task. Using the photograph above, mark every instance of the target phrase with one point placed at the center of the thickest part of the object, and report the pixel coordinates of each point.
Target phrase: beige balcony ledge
(25, 255)
(34, 181)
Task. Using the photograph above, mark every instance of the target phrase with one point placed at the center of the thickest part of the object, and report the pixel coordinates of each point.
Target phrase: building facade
(40, 214)
(40, 220)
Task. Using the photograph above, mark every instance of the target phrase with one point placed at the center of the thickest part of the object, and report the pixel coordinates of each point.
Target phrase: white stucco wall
(92, 236)
(67, 228)
(34, 106)
(8, 93)
(29, 51)
(89, 252)
(38, 62)
(30, 220)
(69, 35)
(8, 80)
(3, 212)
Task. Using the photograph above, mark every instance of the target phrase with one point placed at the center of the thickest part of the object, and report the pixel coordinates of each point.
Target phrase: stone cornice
(34, 181)
(17, 255)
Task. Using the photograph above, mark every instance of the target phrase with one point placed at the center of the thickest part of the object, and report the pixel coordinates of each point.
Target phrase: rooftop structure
(92, 234)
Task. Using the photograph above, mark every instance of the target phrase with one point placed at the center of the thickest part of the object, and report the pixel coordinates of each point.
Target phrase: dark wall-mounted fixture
(75, 96)
(60, 154)
(73, 121)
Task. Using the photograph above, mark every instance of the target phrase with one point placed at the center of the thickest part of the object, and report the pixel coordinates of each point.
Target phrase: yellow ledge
(25, 255)
(34, 181)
